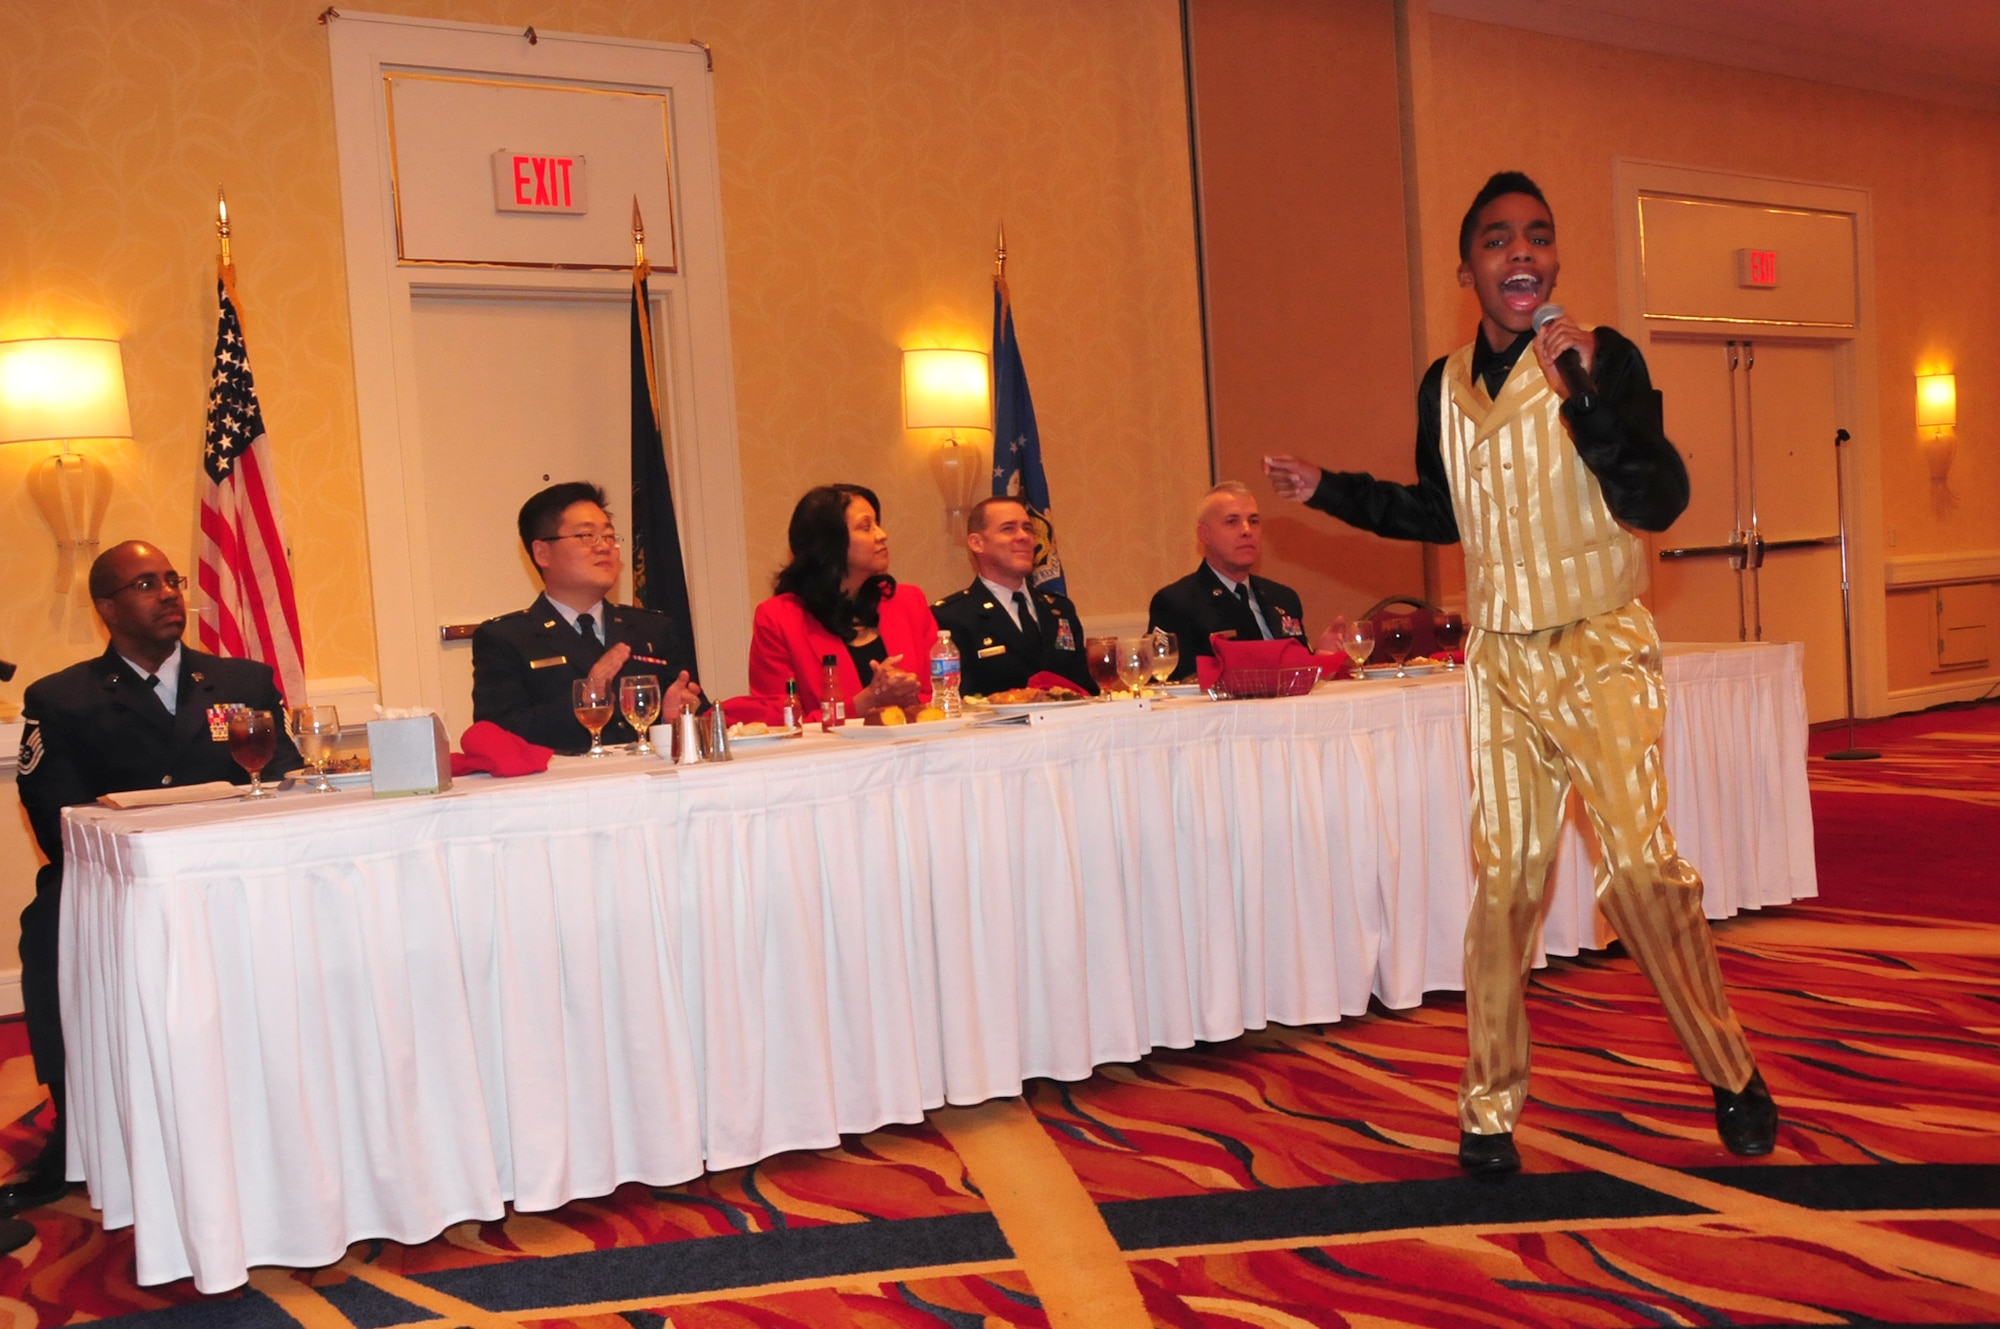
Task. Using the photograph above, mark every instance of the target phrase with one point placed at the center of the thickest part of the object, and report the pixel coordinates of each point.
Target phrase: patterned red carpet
(1306, 1176)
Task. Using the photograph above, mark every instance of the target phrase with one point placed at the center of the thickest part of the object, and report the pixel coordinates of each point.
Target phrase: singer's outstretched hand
(1559, 335)
(1292, 477)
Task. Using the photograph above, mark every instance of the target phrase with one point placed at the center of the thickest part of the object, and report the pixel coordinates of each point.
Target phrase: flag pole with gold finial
(226, 269)
(638, 237)
(642, 305)
(1000, 254)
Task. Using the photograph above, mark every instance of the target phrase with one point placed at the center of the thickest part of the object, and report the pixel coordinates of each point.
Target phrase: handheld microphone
(1569, 364)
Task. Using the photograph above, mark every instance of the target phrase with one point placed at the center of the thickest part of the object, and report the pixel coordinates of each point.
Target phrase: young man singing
(1541, 470)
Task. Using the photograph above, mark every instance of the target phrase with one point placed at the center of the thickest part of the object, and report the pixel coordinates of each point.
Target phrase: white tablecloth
(330, 1018)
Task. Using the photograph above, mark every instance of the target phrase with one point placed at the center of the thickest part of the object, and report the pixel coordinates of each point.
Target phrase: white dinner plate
(1389, 671)
(1029, 707)
(888, 733)
(338, 779)
(763, 739)
(1180, 689)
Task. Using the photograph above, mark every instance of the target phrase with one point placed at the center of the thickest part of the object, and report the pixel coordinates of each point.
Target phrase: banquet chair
(1419, 613)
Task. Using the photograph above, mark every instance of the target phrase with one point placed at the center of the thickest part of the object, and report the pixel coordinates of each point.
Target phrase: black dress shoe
(39, 1183)
(1488, 1155)
(32, 1190)
(1747, 1121)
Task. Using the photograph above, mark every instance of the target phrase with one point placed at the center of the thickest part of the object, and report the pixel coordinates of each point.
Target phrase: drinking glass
(253, 741)
(1166, 654)
(592, 702)
(1397, 639)
(1358, 640)
(315, 728)
(1135, 662)
(1450, 629)
(639, 698)
(1101, 654)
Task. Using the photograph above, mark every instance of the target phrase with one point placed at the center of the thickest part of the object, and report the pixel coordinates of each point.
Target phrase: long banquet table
(331, 1018)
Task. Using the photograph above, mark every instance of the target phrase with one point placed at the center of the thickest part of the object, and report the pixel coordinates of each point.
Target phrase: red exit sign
(538, 182)
(1757, 267)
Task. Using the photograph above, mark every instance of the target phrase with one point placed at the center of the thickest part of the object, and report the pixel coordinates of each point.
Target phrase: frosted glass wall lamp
(950, 390)
(61, 390)
(1937, 421)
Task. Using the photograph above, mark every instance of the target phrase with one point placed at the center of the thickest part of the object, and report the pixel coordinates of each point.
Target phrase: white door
(514, 394)
(1756, 555)
(492, 346)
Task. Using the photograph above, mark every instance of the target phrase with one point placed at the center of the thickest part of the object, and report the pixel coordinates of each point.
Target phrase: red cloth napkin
(1232, 654)
(488, 747)
(1334, 664)
(1049, 679)
(750, 707)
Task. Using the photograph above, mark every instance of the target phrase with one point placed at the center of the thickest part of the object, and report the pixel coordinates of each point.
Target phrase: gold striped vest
(1541, 546)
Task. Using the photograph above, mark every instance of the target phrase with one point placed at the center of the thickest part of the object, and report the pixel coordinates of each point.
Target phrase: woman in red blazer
(836, 598)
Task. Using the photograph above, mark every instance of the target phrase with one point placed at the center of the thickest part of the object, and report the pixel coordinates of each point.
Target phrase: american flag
(245, 608)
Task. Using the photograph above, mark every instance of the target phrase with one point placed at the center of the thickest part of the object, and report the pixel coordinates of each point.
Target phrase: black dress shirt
(1621, 439)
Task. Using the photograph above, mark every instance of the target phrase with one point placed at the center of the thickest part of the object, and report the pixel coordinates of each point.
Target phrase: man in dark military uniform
(524, 663)
(1223, 595)
(1006, 630)
(148, 712)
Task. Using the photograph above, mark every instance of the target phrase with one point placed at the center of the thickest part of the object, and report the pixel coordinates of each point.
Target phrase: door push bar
(1747, 551)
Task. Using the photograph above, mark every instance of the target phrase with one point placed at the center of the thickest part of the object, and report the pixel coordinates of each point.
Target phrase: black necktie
(153, 682)
(1243, 594)
(1022, 616)
(588, 627)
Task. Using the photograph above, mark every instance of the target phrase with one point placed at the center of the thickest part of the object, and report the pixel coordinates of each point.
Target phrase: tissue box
(408, 756)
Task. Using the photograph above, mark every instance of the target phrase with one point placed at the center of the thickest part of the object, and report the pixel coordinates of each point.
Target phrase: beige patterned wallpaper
(868, 147)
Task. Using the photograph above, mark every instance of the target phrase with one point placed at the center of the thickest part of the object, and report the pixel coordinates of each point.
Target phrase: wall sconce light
(1937, 418)
(58, 390)
(951, 390)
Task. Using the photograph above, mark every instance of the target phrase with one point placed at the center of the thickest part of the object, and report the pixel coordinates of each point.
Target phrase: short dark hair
(818, 537)
(1497, 185)
(104, 573)
(541, 514)
(975, 520)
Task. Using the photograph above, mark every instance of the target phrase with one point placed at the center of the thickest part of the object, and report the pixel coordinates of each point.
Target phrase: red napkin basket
(1258, 668)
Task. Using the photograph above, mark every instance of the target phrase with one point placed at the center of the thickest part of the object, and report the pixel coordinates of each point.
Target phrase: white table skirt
(327, 1019)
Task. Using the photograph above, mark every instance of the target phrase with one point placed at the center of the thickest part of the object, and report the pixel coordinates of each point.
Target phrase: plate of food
(757, 734)
(1190, 688)
(891, 724)
(1022, 701)
(1415, 668)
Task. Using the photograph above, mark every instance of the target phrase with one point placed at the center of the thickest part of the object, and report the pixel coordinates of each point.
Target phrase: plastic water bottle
(944, 677)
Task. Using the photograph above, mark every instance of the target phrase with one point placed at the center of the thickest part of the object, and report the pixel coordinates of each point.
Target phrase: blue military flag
(659, 575)
(1017, 446)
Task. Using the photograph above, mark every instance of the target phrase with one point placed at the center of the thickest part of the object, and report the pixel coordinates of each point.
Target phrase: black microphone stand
(1851, 753)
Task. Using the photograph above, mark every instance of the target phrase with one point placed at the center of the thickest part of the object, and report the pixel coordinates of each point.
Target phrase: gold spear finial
(638, 234)
(222, 223)
(1000, 253)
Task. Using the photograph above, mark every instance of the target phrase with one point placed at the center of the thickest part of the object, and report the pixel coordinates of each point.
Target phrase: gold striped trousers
(1583, 704)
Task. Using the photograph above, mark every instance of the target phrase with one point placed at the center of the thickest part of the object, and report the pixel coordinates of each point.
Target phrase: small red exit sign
(538, 182)
(1757, 267)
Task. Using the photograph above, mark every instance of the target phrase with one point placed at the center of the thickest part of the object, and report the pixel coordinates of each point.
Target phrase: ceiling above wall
(1934, 50)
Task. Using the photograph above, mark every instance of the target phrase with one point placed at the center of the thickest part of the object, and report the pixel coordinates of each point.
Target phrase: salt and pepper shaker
(687, 749)
(718, 734)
